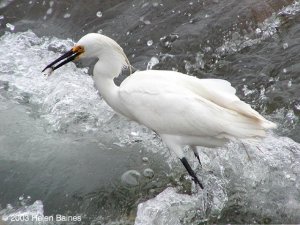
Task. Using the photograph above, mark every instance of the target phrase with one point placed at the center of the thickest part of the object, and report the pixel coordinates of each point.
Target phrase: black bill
(65, 58)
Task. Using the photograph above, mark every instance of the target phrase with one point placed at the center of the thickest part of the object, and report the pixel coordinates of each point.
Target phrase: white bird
(183, 110)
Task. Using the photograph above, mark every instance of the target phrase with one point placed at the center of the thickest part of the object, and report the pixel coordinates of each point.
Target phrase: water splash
(67, 100)
(235, 42)
(26, 214)
(238, 189)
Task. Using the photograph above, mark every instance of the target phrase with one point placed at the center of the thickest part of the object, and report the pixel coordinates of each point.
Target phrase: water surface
(64, 151)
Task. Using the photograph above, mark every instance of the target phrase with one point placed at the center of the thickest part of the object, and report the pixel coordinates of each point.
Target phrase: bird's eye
(80, 49)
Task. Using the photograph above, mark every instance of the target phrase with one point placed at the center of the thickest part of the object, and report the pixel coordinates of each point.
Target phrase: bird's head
(92, 45)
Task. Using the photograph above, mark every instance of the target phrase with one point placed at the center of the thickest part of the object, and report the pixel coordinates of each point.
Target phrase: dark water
(59, 143)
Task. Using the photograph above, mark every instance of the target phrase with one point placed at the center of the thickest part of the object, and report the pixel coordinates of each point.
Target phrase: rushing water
(64, 151)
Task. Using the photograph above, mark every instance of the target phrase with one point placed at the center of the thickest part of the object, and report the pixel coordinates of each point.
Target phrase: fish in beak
(64, 59)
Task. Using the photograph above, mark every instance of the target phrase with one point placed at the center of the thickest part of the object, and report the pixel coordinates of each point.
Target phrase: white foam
(23, 215)
(268, 182)
(67, 100)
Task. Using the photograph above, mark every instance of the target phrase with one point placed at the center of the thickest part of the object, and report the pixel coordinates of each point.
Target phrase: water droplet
(258, 31)
(1, 17)
(67, 15)
(49, 11)
(155, 4)
(148, 173)
(21, 198)
(147, 22)
(289, 83)
(121, 145)
(10, 26)
(207, 49)
(166, 41)
(131, 178)
(145, 4)
(150, 42)
(133, 133)
(191, 3)
(100, 31)
(285, 45)
(142, 19)
(9, 206)
(99, 14)
(284, 70)
(153, 61)
(145, 159)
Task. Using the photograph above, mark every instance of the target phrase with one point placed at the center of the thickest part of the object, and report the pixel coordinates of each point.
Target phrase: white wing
(174, 103)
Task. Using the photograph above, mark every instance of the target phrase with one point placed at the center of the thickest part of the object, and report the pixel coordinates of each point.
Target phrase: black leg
(194, 148)
(191, 172)
(197, 156)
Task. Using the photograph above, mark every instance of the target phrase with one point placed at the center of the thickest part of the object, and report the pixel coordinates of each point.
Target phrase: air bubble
(148, 173)
(150, 42)
(99, 14)
(131, 178)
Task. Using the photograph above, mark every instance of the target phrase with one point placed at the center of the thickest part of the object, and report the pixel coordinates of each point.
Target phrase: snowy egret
(183, 110)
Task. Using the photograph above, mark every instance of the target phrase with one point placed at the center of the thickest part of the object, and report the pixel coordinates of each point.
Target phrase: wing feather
(173, 103)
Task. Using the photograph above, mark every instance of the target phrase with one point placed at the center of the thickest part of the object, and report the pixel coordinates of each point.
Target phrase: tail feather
(244, 125)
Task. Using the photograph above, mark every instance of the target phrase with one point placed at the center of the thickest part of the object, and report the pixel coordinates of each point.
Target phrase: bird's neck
(104, 73)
